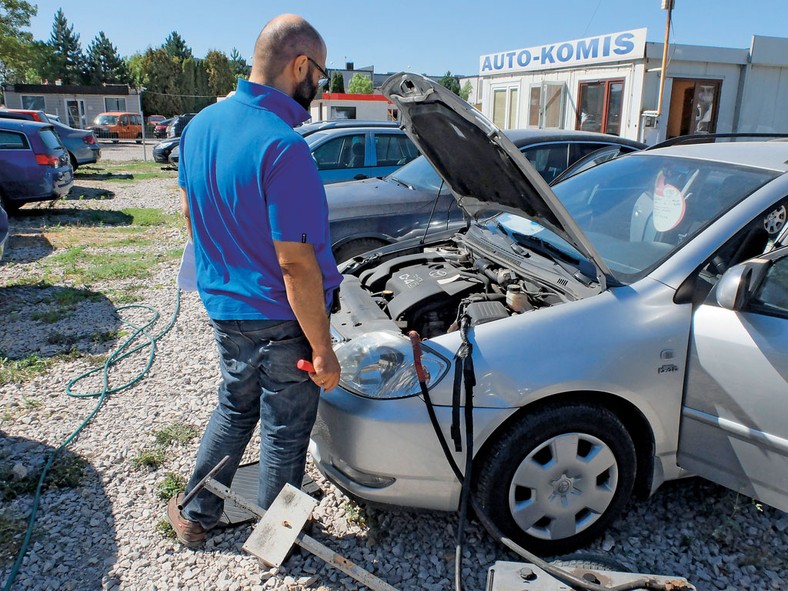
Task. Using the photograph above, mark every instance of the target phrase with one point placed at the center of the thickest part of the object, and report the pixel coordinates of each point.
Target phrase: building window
(343, 113)
(33, 103)
(505, 107)
(693, 106)
(601, 106)
(546, 106)
(114, 104)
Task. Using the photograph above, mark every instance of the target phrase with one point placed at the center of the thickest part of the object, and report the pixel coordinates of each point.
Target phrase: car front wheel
(556, 478)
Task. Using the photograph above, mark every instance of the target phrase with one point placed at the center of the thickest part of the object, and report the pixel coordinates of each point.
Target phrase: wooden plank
(277, 531)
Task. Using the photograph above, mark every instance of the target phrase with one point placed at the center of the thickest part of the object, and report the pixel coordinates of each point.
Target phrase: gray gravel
(102, 535)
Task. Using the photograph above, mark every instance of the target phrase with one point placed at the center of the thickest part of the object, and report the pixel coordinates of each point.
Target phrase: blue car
(34, 165)
(3, 230)
(354, 153)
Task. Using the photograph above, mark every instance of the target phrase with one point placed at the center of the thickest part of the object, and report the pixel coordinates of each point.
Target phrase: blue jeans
(260, 381)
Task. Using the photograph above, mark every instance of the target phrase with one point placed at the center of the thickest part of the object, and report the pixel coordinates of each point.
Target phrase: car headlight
(380, 365)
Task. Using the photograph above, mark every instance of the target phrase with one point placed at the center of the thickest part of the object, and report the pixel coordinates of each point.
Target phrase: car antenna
(432, 213)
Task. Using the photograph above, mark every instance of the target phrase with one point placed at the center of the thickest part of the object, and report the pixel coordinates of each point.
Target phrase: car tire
(73, 159)
(114, 137)
(139, 138)
(356, 247)
(10, 207)
(591, 561)
(554, 480)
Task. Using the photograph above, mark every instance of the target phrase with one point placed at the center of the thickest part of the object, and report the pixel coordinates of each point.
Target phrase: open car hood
(482, 167)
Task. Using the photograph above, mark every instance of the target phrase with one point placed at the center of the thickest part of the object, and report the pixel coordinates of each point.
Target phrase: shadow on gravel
(53, 215)
(101, 176)
(26, 248)
(79, 193)
(73, 542)
(48, 320)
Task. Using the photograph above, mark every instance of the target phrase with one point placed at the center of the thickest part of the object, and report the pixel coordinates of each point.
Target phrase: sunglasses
(324, 80)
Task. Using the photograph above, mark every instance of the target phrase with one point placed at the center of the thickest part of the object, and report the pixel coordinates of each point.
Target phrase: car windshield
(417, 174)
(106, 120)
(637, 211)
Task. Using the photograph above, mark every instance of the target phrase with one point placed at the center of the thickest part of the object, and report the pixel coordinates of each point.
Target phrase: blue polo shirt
(250, 179)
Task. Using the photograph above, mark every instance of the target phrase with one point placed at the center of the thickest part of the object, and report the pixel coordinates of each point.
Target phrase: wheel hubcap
(775, 220)
(563, 486)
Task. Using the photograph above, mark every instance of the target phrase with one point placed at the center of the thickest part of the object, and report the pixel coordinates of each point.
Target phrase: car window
(548, 160)
(50, 140)
(13, 141)
(347, 151)
(772, 296)
(394, 149)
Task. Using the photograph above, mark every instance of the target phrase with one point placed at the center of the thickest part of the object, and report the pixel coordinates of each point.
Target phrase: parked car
(161, 151)
(117, 125)
(175, 156)
(153, 120)
(81, 144)
(413, 200)
(347, 153)
(177, 124)
(3, 229)
(29, 114)
(34, 164)
(160, 129)
(628, 327)
(310, 128)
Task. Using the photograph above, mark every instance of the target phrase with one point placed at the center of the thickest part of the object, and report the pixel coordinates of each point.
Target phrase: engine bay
(429, 291)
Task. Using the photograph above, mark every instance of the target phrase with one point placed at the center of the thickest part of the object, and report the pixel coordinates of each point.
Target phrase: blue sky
(426, 36)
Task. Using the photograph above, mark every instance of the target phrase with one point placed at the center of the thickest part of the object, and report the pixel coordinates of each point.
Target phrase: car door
(734, 422)
(391, 150)
(341, 157)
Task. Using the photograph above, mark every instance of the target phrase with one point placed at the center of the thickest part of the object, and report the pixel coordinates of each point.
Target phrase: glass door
(600, 106)
(75, 113)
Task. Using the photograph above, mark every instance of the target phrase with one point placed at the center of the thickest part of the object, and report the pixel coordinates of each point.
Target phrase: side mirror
(739, 283)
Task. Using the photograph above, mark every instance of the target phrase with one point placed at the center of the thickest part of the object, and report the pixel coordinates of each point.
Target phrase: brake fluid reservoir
(516, 299)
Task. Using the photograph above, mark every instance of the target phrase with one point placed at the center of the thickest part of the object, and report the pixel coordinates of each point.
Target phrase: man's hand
(304, 285)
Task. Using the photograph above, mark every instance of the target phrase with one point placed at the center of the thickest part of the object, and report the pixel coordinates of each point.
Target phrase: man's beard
(305, 92)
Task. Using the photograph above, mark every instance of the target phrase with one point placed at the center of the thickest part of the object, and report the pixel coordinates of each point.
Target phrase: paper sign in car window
(669, 206)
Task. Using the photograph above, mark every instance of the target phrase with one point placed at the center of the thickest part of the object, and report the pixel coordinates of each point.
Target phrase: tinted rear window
(13, 141)
(50, 140)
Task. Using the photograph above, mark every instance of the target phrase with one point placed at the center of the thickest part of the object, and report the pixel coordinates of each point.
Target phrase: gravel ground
(103, 534)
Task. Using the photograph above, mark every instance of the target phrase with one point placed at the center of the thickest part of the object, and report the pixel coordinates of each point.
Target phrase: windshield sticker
(521, 225)
(669, 206)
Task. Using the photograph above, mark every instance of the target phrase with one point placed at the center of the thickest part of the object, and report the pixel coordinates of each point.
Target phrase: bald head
(281, 40)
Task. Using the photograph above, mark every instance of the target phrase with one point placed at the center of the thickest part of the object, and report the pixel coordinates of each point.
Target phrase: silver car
(627, 326)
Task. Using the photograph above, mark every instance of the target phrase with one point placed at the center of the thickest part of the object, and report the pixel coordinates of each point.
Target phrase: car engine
(428, 292)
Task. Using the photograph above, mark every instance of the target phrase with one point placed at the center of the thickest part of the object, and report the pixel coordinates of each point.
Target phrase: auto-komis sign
(612, 47)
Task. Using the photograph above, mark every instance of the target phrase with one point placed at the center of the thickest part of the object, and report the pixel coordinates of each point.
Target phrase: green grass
(90, 267)
(175, 433)
(355, 514)
(22, 370)
(148, 458)
(49, 317)
(69, 296)
(171, 485)
(164, 529)
(12, 530)
(66, 472)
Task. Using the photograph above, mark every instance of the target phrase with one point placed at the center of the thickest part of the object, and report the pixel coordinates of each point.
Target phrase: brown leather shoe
(189, 533)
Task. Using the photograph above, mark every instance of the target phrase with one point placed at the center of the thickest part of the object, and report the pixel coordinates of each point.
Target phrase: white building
(611, 83)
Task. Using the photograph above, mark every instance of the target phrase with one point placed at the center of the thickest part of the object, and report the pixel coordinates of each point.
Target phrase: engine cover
(423, 285)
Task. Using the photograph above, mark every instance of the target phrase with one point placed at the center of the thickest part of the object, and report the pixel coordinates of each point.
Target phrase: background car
(34, 165)
(81, 144)
(154, 119)
(177, 124)
(117, 125)
(29, 114)
(413, 200)
(175, 156)
(347, 153)
(3, 229)
(628, 327)
(161, 151)
(160, 129)
(313, 126)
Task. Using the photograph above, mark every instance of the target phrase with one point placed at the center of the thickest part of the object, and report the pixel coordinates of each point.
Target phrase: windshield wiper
(401, 182)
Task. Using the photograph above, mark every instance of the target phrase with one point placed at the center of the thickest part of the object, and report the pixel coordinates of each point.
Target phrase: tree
(176, 47)
(238, 65)
(161, 77)
(104, 65)
(449, 81)
(465, 91)
(134, 68)
(68, 62)
(360, 84)
(220, 75)
(15, 43)
(337, 82)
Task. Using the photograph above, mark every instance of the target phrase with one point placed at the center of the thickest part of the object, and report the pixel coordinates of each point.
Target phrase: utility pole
(666, 5)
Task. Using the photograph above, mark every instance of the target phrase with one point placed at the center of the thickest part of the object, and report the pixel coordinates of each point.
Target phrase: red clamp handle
(415, 342)
(305, 365)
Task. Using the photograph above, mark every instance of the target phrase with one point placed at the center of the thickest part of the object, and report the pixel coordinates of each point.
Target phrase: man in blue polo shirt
(258, 217)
